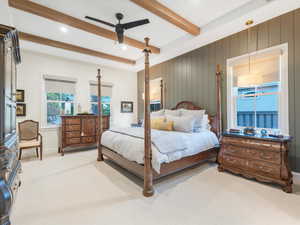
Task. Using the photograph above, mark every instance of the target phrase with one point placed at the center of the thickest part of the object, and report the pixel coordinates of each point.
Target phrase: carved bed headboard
(213, 119)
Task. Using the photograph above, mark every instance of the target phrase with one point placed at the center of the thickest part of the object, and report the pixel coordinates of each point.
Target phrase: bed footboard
(166, 168)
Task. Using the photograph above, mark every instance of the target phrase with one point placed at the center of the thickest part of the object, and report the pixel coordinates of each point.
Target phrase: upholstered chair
(29, 137)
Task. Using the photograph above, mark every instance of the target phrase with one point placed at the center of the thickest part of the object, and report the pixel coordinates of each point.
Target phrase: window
(60, 99)
(106, 91)
(258, 90)
(105, 100)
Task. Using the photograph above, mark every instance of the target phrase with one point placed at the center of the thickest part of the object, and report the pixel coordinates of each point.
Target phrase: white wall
(35, 65)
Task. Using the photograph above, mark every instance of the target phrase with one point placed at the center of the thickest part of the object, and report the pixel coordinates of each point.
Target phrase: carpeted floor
(77, 190)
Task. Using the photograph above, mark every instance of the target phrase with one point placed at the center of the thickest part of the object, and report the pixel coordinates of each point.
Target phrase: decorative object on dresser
(126, 107)
(10, 166)
(261, 157)
(80, 131)
(29, 137)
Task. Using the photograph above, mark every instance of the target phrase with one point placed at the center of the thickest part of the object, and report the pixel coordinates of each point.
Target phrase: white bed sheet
(132, 148)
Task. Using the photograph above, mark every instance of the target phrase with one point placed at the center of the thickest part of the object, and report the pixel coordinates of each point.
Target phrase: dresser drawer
(264, 168)
(72, 134)
(250, 153)
(72, 121)
(72, 127)
(86, 140)
(72, 141)
(253, 143)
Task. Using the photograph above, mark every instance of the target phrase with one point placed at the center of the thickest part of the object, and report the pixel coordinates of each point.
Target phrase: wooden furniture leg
(20, 154)
(41, 153)
(37, 151)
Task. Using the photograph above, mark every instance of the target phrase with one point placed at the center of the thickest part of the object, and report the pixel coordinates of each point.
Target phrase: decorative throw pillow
(197, 114)
(161, 124)
(169, 112)
(181, 123)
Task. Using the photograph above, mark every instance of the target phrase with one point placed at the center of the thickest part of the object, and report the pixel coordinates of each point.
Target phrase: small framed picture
(21, 109)
(126, 107)
(20, 95)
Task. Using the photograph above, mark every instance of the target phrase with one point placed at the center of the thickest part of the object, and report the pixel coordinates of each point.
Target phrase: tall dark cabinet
(9, 165)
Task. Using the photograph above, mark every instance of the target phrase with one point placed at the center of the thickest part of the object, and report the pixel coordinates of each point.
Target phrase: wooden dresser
(262, 158)
(80, 131)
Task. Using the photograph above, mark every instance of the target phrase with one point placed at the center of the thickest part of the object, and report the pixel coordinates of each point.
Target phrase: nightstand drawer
(250, 153)
(234, 161)
(255, 144)
(265, 168)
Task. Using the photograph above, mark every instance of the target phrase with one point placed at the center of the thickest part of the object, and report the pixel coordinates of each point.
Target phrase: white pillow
(197, 114)
(181, 123)
(169, 112)
(157, 113)
(204, 125)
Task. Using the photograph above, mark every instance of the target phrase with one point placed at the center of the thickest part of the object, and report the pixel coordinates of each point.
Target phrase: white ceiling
(211, 15)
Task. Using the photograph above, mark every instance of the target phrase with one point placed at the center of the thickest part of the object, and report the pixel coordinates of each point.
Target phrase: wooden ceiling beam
(73, 48)
(51, 14)
(162, 11)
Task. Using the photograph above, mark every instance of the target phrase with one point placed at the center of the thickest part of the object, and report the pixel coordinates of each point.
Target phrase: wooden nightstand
(262, 158)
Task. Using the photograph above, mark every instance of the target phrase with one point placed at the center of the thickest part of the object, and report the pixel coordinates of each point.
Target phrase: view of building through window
(106, 101)
(258, 106)
(59, 104)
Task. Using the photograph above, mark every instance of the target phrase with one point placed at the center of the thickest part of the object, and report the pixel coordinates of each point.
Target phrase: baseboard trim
(296, 175)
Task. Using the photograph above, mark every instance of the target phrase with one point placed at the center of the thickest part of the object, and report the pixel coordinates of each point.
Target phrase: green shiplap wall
(192, 76)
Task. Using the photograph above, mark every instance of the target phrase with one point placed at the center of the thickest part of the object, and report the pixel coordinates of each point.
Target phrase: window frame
(283, 99)
(44, 77)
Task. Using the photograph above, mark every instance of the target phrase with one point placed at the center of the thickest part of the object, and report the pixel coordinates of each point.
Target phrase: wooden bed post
(219, 101)
(148, 176)
(100, 155)
(162, 94)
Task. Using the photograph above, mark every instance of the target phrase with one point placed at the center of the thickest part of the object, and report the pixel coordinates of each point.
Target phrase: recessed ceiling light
(64, 29)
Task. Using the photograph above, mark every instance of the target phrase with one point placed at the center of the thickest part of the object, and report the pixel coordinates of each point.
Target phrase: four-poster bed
(145, 170)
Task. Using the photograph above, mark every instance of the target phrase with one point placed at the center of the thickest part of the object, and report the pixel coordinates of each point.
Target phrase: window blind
(256, 70)
(55, 84)
(106, 89)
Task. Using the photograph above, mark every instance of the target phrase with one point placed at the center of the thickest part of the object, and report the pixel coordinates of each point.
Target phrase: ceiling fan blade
(100, 21)
(135, 24)
(120, 37)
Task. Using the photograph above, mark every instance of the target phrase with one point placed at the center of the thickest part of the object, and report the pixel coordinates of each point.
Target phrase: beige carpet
(77, 190)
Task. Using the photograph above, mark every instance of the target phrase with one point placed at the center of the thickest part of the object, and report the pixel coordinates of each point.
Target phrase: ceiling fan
(119, 27)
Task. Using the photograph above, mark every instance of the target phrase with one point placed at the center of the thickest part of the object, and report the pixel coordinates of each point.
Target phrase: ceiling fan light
(123, 46)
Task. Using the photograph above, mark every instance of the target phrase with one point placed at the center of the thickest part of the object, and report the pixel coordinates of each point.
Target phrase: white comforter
(132, 148)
